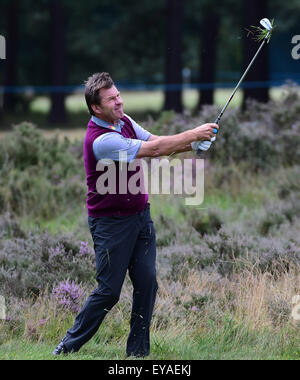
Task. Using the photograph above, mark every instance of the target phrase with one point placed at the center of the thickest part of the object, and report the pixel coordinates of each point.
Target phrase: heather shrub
(278, 212)
(165, 231)
(250, 142)
(168, 123)
(39, 176)
(231, 250)
(273, 217)
(224, 251)
(280, 114)
(265, 136)
(170, 232)
(26, 147)
(178, 260)
(289, 182)
(30, 264)
(45, 317)
(288, 231)
(10, 228)
(205, 222)
(68, 294)
(290, 153)
(270, 132)
(228, 182)
(275, 255)
(28, 193)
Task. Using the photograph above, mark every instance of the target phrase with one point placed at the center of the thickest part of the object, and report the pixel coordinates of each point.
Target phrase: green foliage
(39, 175)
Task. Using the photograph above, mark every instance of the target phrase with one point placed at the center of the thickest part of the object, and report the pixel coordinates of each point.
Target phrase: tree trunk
(208, 55)
(253, 12)
(173, 60)
(10, 98)
(57, 61)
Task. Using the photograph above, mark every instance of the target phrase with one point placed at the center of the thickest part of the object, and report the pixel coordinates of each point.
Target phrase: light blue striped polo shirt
(109, 145)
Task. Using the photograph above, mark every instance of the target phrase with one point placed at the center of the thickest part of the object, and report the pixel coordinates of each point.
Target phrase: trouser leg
(142, 272)
(114, 243)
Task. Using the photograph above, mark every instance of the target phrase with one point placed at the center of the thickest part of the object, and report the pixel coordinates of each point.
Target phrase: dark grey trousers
(121, 243)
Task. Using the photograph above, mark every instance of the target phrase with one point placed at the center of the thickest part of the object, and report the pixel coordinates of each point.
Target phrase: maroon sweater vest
(109, 204)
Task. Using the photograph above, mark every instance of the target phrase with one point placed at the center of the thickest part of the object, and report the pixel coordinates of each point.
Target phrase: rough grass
(234, 324)
(216, 345)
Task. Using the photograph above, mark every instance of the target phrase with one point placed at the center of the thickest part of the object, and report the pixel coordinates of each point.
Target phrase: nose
(119, 100)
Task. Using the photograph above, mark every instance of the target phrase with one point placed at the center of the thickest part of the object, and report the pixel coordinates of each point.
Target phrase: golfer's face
(111, 104)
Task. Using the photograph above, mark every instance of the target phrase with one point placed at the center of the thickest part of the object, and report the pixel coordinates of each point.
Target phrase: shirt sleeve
(114, 146)
(141, 133)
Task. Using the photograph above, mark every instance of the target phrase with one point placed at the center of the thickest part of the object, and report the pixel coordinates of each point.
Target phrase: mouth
(119, 109)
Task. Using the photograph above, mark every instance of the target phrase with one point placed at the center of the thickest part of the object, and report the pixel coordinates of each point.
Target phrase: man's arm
(187, 148)
(165, 145)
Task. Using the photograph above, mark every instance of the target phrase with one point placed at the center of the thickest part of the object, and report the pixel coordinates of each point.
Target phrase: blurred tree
(57, 61)
(12, 44)
(213, 32)
(253, 12)
(173, 58)
(209, 30)
(141, 42)
(122, 37)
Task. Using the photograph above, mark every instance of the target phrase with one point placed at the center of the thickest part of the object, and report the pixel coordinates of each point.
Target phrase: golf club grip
(201, 152)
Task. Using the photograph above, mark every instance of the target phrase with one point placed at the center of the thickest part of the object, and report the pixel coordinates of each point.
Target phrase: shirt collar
(102, 123)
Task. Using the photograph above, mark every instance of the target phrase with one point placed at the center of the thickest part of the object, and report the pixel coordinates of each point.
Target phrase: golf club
(268, 26)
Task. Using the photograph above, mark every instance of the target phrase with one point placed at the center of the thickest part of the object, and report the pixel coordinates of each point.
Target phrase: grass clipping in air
(260, 33)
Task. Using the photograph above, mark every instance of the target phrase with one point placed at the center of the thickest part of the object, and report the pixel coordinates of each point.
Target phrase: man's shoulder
(128, 119)
(93, 131)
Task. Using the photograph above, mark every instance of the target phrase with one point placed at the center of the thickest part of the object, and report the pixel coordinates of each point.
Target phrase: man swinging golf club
(120, 224)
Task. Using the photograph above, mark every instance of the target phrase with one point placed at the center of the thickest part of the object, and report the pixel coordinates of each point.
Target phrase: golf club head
(265, 22)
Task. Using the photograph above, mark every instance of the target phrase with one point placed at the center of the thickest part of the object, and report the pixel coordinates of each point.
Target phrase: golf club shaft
(241, 80)
(199, 152)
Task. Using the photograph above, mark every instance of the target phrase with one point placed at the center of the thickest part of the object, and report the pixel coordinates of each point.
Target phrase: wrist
(192, 135)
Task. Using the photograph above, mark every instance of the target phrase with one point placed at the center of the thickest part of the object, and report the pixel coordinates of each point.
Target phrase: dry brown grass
(260, 300)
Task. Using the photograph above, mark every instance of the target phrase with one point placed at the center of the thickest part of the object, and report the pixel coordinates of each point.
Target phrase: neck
(106, 119)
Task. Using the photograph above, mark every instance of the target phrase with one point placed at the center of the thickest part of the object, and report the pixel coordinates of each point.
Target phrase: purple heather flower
(84, 249)
(68, 294)
(59, 250)
(43, 321)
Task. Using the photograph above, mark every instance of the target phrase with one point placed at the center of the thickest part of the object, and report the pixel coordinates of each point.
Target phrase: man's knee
(149, 281)
(114, 297)
(109, 296)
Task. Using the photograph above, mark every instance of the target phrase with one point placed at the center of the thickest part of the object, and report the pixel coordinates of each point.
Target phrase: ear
(96, 108)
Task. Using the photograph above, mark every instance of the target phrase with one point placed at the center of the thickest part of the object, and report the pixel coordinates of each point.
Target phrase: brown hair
(93, 86)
